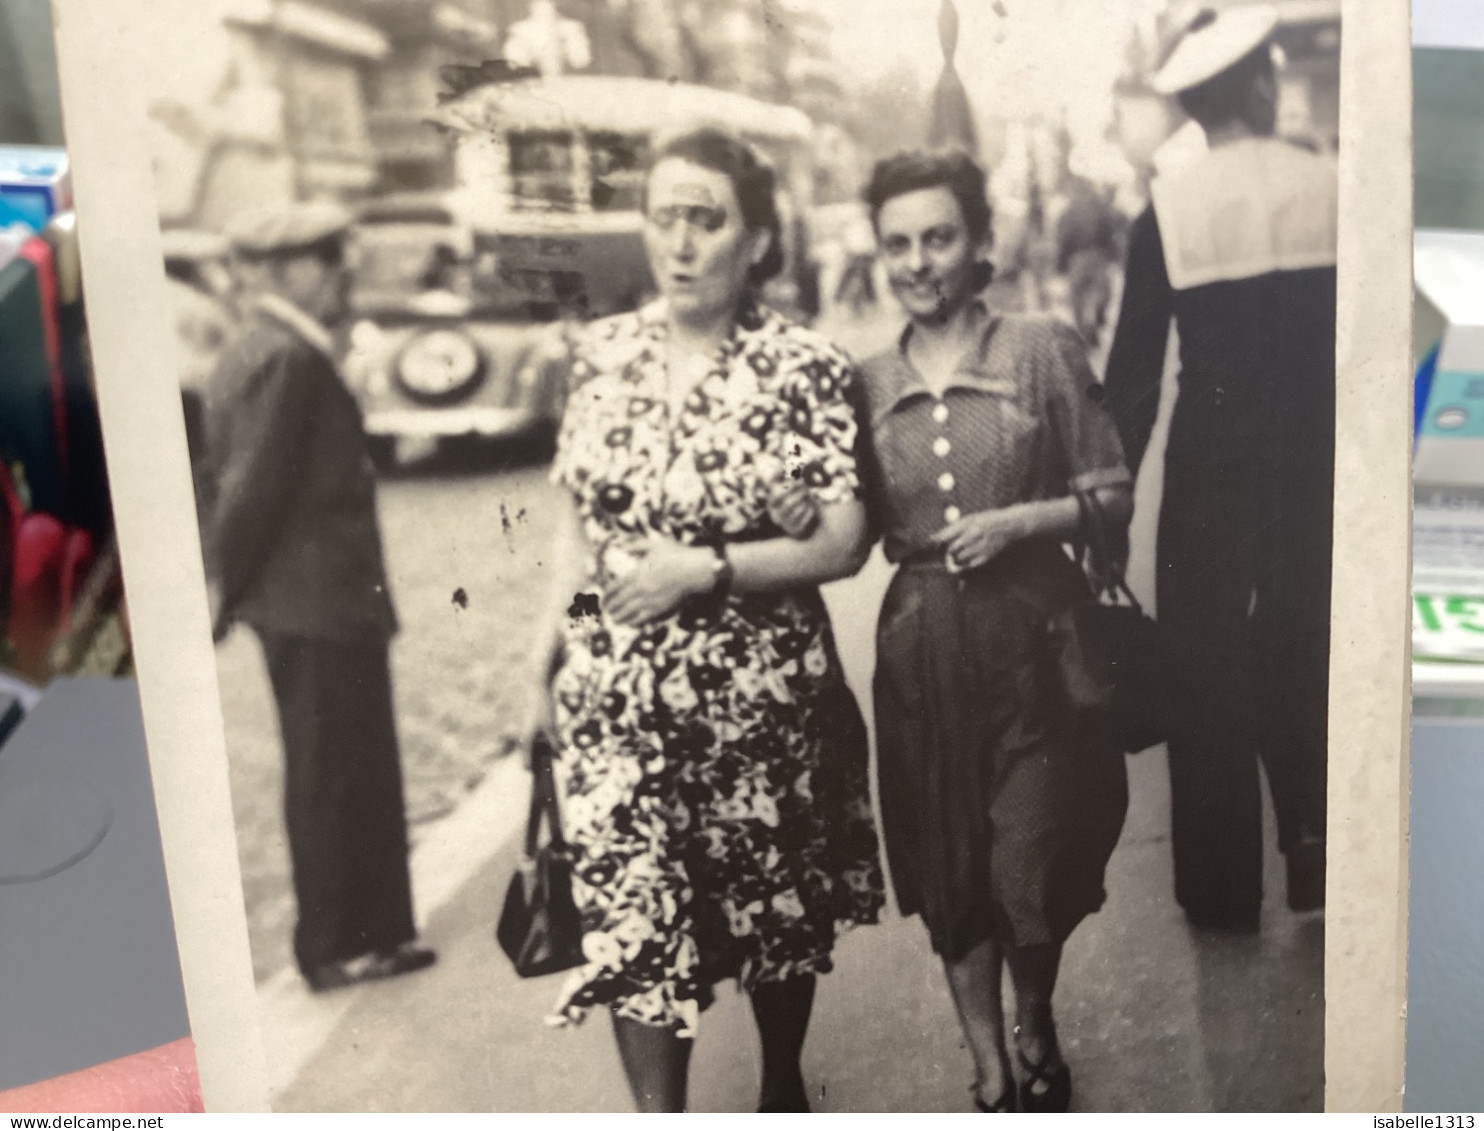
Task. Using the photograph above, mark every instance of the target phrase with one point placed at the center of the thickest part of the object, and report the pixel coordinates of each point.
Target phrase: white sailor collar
(1245, 209)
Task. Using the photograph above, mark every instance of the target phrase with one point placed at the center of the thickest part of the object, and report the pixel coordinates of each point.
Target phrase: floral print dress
(713, 763)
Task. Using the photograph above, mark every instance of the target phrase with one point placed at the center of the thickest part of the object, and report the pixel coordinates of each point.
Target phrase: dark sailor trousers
(1244, 567)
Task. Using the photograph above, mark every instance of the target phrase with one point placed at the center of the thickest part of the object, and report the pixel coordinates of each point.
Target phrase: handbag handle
(1107, 565)
(543, 798)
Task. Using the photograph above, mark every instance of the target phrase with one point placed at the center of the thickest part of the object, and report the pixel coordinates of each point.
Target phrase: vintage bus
(464, 297)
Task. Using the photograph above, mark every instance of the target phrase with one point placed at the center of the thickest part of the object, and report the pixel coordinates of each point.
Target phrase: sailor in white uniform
(1238, 246)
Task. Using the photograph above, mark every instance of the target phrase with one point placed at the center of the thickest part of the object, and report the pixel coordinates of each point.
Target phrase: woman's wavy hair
(913, 171)
(718, 149)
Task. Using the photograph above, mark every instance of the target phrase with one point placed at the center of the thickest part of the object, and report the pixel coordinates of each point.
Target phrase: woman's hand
(543, 723)
(795, 510)
(665, 573)
(542, 719)
(979, 538)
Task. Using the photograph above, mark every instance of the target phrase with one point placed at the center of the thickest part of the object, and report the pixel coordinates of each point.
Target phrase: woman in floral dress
(713, 762)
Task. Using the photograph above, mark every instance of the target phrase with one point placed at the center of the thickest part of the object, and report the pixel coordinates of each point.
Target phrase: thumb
(948, 533)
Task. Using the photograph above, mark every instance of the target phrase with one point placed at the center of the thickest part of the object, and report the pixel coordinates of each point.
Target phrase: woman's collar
(752, 317)
(977, 304)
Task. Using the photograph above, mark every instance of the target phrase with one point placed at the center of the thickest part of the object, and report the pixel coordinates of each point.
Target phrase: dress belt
(931, 559)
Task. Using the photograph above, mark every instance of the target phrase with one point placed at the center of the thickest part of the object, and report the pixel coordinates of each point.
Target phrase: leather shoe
(405, 959)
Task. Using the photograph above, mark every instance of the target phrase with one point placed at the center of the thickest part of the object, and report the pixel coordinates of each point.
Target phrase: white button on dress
(952, 514)
(946, 481)
(941, 447)
(940, 412)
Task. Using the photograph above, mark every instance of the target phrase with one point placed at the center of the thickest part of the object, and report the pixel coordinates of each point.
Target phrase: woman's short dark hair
(717, 149)
(1227, 97)
(956, 171)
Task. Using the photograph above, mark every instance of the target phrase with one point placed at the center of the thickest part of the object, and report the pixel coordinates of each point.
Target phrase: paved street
(1152, 1016)
(459, 668)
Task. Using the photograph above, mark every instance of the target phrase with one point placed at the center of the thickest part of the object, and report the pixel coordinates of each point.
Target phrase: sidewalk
(1152, 1016)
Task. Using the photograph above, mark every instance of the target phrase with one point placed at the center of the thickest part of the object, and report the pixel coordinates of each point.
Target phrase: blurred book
(1448, 575)
(1448, 305)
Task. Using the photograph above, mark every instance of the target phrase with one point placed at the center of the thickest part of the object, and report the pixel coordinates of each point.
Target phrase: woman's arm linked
(668, 572)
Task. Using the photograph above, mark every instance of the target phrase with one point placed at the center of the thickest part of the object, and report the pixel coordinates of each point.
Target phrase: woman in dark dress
(1000, 807)
(713, 761)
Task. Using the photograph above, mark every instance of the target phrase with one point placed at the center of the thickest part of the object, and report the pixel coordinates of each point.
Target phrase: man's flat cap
(289, 230)
(1213, 42)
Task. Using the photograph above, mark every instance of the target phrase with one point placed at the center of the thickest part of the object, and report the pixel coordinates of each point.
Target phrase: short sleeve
(1076, 405)
(820, 443)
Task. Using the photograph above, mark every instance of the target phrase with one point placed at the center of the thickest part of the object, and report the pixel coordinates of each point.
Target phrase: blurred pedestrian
(1000, 807)
(713, 760)
(1086, 231)
(857, 286)
(294, 552)
(1238, 246)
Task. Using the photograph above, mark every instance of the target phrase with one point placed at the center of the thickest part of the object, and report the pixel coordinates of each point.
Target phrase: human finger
(795, 521)
(163, 1079)
(621, 604)
(963, 542)
(804, 506)
(949, 533)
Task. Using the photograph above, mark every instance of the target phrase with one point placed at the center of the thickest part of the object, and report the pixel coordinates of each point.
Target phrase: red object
(48, 560)
(39, 253)
(159, 1081)
(49, 563)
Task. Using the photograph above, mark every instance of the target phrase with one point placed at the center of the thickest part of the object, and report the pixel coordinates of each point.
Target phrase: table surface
(1445, 959)
(88, 963)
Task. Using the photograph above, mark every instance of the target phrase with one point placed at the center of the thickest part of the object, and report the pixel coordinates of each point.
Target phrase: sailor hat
(288, 231)
(1214, 41)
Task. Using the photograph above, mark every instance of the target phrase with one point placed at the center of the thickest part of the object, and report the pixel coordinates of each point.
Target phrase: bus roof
(623, 105)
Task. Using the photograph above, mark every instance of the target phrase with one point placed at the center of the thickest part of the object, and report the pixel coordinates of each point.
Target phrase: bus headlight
(439, 365)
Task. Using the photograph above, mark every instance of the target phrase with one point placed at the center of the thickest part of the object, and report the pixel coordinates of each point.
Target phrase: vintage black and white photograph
(767, 555)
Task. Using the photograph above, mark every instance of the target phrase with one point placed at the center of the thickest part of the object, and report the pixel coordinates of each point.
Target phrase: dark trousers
(347, 826)
(1244, 573)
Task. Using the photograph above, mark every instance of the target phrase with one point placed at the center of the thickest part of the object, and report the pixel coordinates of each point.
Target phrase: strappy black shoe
(1056, 1096)
(1005, 1103)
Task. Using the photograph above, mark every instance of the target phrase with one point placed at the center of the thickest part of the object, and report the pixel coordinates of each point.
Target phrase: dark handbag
(540, 929)
(1114, 660)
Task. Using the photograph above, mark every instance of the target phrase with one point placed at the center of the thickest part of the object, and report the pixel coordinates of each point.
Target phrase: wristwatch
(721, 572)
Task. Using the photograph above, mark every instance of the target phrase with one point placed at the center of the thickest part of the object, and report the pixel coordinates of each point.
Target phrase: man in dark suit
(1239, 248)
(294, 552)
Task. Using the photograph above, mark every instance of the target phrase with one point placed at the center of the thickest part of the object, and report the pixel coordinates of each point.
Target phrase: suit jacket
(292, 536)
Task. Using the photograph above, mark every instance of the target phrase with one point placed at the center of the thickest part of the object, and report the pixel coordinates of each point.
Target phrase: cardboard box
(1448, 518)
(35, 184)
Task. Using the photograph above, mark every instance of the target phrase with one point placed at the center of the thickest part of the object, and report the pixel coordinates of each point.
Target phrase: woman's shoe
(1005, 1103)
(1057, 1094)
